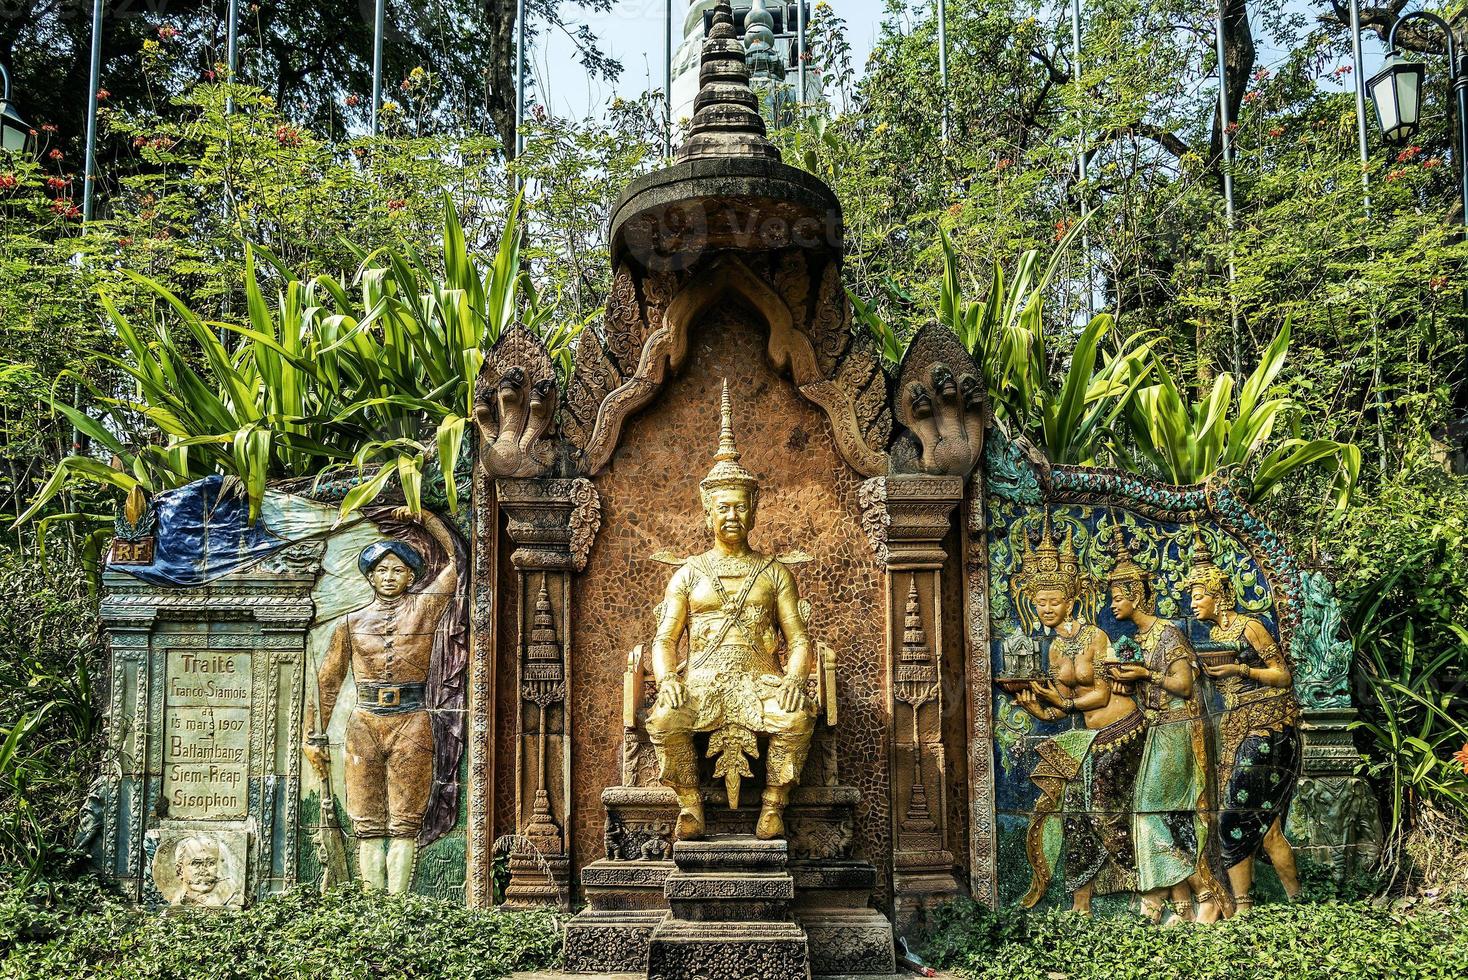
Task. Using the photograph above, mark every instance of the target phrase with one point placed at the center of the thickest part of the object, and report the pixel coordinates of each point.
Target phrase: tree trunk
(501, 69)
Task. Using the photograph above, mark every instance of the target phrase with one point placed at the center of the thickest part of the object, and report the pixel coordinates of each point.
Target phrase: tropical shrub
(1297, 940)
(1188, 442)
(1071, 418)
(49, 718)
(328, 380)
(78, 930)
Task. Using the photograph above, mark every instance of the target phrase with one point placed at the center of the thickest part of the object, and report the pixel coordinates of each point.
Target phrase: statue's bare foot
(690, 815)
(771, 824)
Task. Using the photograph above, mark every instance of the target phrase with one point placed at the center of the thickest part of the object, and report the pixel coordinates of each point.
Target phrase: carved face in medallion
(198, 866)
(390, 577)
(1052, 605)
(730, 515)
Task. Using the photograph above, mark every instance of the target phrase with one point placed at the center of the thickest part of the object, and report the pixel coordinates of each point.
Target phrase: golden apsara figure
(1086, 775)
(1260, 748)
(737, 608)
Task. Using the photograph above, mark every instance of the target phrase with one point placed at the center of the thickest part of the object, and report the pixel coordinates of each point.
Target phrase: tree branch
(1165, 138)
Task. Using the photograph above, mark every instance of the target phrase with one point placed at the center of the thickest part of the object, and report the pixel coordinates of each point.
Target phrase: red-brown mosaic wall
(650, 501)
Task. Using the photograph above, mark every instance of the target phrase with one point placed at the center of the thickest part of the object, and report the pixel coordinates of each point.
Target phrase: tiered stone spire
(544, 652)
(917, 684)
(726, 119)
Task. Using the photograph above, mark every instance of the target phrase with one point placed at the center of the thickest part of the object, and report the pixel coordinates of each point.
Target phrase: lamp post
(1396, 91)
(15, 132)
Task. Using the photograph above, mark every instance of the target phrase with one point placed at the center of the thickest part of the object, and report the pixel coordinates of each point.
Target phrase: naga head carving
(942, 403)
(515, 407)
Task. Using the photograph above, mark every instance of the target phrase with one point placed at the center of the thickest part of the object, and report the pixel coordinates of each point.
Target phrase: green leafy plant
(49, 719)
(1329, 939)
(1410, 715)
(1189, 441)
(77, 929)
(1070, 416)
(329, 379)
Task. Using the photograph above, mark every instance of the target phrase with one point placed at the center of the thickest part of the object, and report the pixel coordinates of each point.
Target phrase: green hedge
(1272, 942)
(75, 930)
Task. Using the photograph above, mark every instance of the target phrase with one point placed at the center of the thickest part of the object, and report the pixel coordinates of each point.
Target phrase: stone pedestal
(625, 903)
(729, 899)
(1334, 819)
(845, 934)
(627, 900)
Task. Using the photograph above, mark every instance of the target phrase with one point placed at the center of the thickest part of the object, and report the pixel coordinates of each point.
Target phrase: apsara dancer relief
(1148, 740)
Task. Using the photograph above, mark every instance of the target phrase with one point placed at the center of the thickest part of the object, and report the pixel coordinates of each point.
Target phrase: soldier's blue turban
(374, 553)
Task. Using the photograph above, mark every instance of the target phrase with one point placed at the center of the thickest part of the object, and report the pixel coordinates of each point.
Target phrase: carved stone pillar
(551, 524)
(907, 518)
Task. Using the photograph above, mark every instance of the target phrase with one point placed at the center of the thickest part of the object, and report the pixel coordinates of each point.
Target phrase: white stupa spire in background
(781, 39)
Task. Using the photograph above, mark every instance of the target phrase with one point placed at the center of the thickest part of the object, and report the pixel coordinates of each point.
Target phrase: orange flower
(1461, 757)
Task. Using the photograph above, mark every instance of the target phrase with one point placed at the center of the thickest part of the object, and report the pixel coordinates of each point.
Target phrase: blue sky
(632, 32)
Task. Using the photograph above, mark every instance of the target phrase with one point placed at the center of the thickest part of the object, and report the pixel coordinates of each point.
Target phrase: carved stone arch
(789, 348)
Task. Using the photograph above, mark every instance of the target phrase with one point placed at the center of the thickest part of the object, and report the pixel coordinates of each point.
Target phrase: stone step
(729, 896)
(731, 852)
(612, 941)
(728, 951)
(716, 885)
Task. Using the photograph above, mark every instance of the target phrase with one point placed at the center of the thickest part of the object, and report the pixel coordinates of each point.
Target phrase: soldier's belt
(390, 699)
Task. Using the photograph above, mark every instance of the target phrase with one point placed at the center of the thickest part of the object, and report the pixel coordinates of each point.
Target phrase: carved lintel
(906, 518)
(621, 367)
(552, 522)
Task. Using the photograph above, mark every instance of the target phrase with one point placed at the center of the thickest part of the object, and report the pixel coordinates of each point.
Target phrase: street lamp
(15, 132)
(1396, 91)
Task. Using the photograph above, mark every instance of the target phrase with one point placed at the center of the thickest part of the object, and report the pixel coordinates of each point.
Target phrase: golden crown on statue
(1049, 565)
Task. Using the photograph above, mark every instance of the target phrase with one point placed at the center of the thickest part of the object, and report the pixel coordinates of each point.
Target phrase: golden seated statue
(738, 609)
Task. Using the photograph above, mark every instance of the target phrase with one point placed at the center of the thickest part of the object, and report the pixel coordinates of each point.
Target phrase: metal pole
(1460, 90)
(231, 50)
(1360, 101)
(1075, 47)
(943, 61)
(668, 78)
(800, 50)
(519, 76)
(379, 18)
(90, 177)
(1228, 180)
(1360, 81)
